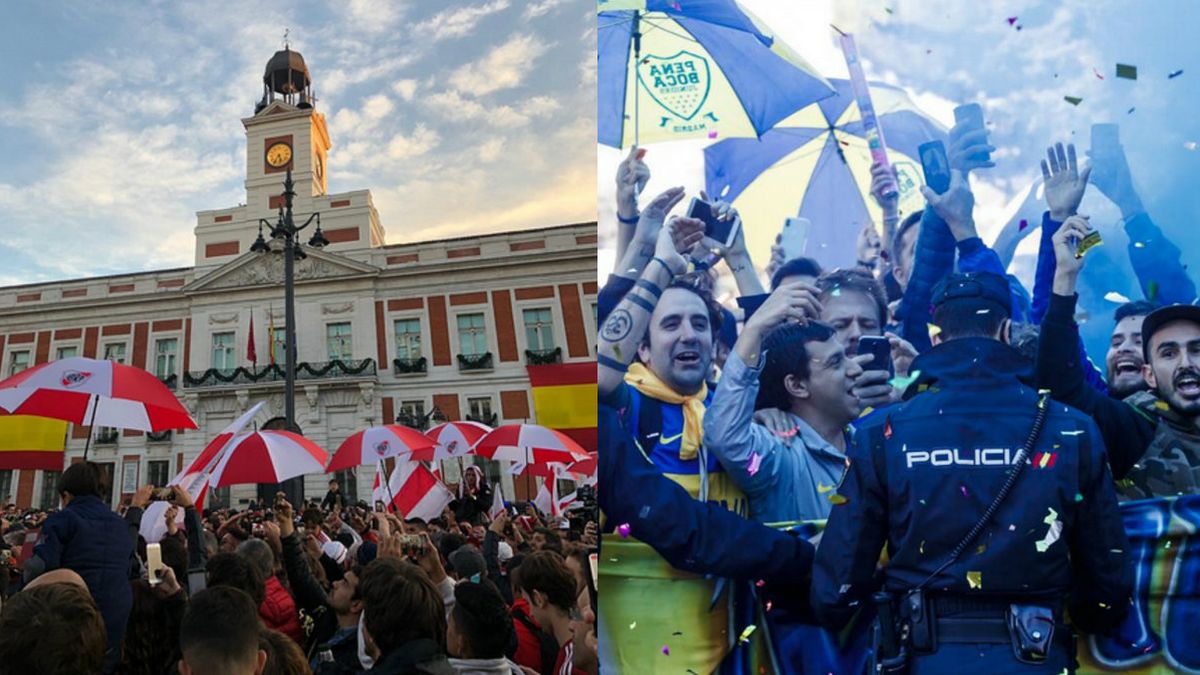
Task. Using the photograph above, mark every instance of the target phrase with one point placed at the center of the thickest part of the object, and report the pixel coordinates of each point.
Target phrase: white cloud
(491, 149)
(538, 8)
(454, 106)
(503, 67)
(375, 16)
(421, 141)
(458, 22)
(406, 88)
(377, 107)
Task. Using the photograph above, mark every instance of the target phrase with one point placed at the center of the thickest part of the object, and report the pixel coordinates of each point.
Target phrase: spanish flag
(28, 442)
(564, 398)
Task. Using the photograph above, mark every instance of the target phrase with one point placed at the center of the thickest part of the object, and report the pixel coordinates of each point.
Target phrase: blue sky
(120, 120)
(945, 52)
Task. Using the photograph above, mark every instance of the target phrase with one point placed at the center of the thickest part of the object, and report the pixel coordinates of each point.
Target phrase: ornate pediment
(266, 269)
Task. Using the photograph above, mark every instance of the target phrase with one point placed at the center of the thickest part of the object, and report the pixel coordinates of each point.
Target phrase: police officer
(977, 574)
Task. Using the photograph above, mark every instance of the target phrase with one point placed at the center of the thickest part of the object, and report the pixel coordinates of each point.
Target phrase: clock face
(279, 154)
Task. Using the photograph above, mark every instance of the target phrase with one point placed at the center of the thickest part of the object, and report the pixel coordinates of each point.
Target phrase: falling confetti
(980, 549)
(983, 311)
(1097, 73)
(666, 650)
(1053, 534)
(844, 589)
(712, 134)
(965, 492)
(623, 530)
(1078, 497)
(760, 583)
(1131, 110)
(887, 428)
(1126, 72)
(1024, 224)
(1113, 296)
(1162, 405)
(1073, 100)
(1073, 432)
(888, 10)
(1174, 74)
(745, 636)
(822, 488)
(934, 330)
(1151, 290)
(836, 499)
(975, 579)
(1190, 145)
(755, 463)
(677, 7)
(1139, 244)
(1012, 20)
(836, 292)
(900, 383)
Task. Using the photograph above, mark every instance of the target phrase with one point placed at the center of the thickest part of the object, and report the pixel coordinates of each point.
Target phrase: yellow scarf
(639, 377)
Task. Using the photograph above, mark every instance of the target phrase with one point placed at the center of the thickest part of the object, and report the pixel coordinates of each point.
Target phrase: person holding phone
(783, 359)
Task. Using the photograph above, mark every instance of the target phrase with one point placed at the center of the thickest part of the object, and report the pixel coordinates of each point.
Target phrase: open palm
(1064, 182)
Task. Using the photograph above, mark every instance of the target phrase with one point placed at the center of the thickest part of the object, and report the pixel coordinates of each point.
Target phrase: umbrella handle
(637, 56)
(87, 444)
(387, 485)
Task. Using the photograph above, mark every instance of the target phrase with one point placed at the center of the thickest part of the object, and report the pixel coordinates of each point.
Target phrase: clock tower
(285, 132)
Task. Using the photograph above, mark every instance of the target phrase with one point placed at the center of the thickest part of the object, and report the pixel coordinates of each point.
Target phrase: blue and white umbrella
(703, 69)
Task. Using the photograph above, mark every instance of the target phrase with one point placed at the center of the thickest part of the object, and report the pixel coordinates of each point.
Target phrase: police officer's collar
(966, 362)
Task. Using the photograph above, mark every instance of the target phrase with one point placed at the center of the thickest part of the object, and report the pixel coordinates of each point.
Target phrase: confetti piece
(1162, 405)
(677, 633)
(836, 292)
(1151, 290)
(1131, 110)
(768, 605)
(975, 579)
(1012, 20)
(666, 650)
(1073, 100)
(921, 548)
(844, 589)
(836, 499)
(1190, 145)
(1098, 75)
(1053, 534)
(677, 7)
(980, 549)
(888, 10)
(921, 500)
(901, 383)
(1012, 528)
(1174, 74)
(1126, 72)
(983, 311)
(964, 490)
(623, 530)
(1073, 432)
(1113, 296)
(760, 583)
(755, 463)
(866, 411)
(822, 488)
(1024, 224)
(644, 512)
(633, 625)
(928, 51)
(1078, 497)
(933, 330)
(887, 428)
(1138, 244)
(745, 636)
(712, 134)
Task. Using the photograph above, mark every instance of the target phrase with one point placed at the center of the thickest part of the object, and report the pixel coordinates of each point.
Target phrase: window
(408, 339)
(49, 497)
(337, 337)
(115, 352)
(411, 413)
(6, 486)
(481, 408)
(279, 346)
(156, 472)
(164, 357)
(18, 361)
(66, 352)
(222, 353)
(472, 335)
(539, 329)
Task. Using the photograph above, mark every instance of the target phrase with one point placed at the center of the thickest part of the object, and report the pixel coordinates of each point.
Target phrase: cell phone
(592, 573)
(196, 581)
(936, 165)
(793, 238)
(379, 507)
(721, 231)
(154, 563)
(751, 303)
(163, 494)
(411, 544)
(880, 350)
(970, 116)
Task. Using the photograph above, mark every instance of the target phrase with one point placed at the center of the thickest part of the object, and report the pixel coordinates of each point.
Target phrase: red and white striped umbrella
(94, 392)
(577, 471)
(531, 444)
(371, 445)
(458, 438)
(267, 457)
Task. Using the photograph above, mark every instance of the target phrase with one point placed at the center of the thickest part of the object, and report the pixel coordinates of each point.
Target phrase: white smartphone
(793, 238)
(154, 563)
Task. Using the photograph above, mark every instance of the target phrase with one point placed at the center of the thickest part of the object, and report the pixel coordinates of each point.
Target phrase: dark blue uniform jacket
(922, 475)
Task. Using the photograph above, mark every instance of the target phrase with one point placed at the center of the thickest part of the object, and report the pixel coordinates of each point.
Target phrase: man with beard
(1123, 362)
(1152, 435)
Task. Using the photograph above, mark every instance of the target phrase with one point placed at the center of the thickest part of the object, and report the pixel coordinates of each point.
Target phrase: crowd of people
(901, 397)
(330, 587)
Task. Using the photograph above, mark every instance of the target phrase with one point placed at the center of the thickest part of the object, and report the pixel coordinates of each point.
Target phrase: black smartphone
(592, 573)
(880, 350)
(970, 117)
(936, 165)
(751, 303)
(720, 231)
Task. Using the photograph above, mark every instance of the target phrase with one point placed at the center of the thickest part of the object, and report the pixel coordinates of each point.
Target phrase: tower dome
(286, 75)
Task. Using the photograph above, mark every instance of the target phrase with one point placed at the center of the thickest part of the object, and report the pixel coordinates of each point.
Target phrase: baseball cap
(335, 550)
(467, 561)
(1162, 316)
(977, 286)
(504, 552)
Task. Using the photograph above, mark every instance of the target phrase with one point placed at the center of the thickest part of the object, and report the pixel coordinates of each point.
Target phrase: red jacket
(278, 611)
(529, 647)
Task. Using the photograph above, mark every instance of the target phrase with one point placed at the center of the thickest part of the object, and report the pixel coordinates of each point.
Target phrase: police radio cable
(1022, 459)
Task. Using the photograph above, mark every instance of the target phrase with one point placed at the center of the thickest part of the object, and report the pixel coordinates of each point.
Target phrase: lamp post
(285, 229)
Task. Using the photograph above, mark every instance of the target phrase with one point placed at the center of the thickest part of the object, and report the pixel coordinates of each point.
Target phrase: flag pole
(95, 400)
(387, 485)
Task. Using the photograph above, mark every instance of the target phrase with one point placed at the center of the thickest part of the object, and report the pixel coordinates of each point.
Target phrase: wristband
(629, 221)
(651, 288)
(662, 262)
(611, 363)
(640, 302)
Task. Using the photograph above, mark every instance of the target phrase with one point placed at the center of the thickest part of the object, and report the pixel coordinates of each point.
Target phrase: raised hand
(793, 301)
(632, 176)
(680, 236)
(965, 148)
(868, 245)
(141, 498)
(956, 205)
(1066, 241)
(1064, 182)
(881, 178)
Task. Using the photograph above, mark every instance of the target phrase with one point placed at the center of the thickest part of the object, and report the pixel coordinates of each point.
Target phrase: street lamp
(285, 229)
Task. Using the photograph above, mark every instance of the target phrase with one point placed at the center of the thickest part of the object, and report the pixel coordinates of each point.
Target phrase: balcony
(158, 437)
(475, 361)
(170, 381)
(107, 436)
(305, 371)
(543, 357)
(409, 366)
(489, 420)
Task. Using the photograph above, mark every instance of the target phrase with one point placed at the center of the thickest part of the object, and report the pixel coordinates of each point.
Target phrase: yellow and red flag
(28, 442)
(564, 398)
